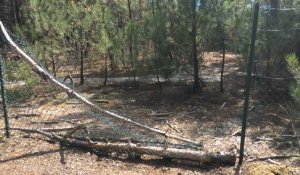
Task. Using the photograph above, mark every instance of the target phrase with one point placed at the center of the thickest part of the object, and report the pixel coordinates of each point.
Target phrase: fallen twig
(223, 105)
(173, 127)
(101, 101)
(273, 157)
(43, 129)
(45, 122)
(159, 114)
(273, 162)
(263, 139)
(72, 131)
(17, 116)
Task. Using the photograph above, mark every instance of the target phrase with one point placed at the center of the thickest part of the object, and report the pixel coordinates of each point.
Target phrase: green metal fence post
(248, 82)
(3, 94)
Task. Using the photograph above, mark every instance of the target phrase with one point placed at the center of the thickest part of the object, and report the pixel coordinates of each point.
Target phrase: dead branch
(161, 114)
(173, 127)
(43, 129)
(101, 101)
(264, 139)
(45, 122)
(75, 94)
(273, 157)
(17, 116)
(72, 131)
(73, 102)
(132, 140)
(141, 149)
(273, 162)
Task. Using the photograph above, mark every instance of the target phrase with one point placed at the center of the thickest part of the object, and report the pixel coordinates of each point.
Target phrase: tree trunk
(17, 11)
(196, 86)
(156, 56)
(268, 74)
(223, 65)
(140, 9)
(273, 49)
(111, 58)
(123, 58)
(106, 70)
(53, 63)
(81, 67)
(130, 44)
(297, 43)
(157, 71)
(81, 51)
(7, 13)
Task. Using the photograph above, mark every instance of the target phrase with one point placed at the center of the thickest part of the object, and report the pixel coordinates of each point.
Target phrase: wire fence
(272, 107)
(277, 38)
(35, 102)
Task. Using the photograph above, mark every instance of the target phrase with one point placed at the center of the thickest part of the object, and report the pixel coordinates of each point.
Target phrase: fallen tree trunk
(41, 71)
(201, 157)
(165, 152)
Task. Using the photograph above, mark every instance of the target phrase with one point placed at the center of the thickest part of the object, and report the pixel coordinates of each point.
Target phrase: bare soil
(211, 117)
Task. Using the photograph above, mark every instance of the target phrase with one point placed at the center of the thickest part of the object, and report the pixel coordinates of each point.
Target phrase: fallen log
(202, 157)
(165, 152)
(72, 93)
(136, 141)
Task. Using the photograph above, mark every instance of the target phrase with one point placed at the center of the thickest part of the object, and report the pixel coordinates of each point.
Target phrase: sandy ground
(211, 118)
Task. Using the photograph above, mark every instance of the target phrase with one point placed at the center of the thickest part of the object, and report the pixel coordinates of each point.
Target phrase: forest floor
(212, 118)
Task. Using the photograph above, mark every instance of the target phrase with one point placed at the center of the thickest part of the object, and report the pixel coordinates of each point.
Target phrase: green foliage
(158, 32)
(20, 71)
(294, 67)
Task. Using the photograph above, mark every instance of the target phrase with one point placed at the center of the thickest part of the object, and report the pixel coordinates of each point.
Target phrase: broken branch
(273, 157)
